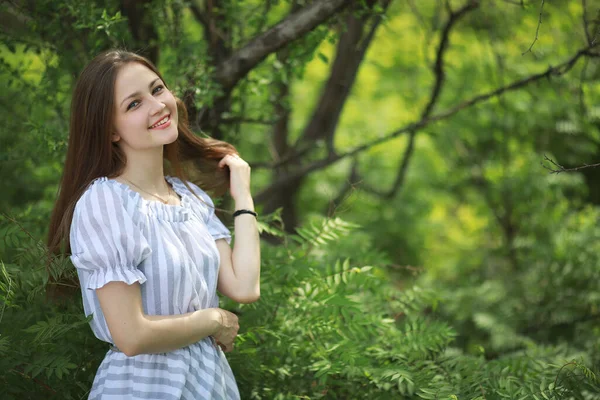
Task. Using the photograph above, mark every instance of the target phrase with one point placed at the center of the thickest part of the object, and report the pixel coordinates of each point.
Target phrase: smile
(163, 123)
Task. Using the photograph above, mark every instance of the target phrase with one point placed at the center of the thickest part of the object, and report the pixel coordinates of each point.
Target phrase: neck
(145, 169)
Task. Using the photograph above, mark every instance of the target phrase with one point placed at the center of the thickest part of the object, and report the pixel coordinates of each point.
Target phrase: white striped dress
(116, 235)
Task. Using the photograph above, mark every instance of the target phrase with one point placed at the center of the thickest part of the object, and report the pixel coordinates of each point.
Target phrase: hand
(239, 176)
(227, 330)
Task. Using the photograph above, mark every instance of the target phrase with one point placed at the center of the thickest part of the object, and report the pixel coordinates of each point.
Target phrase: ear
(115, 137)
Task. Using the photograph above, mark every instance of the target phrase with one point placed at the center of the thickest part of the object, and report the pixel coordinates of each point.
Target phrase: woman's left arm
(239, 272)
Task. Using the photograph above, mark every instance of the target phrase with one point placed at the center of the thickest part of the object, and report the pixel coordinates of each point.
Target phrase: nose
(156, 106)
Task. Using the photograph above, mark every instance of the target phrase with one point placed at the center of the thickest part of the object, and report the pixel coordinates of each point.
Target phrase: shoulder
(103, 198)
(98, 192)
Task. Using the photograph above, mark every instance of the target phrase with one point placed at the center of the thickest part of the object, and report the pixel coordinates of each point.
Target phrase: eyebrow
(138, 93)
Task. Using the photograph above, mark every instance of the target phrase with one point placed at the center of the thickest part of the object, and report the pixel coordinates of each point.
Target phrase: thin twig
(537, 30)
(559, 168)
(482, 391)
(40, 383)
(560, 370)
(585, 22)
(582, 107)
(21, 228)
(349, 188)
(597, 30)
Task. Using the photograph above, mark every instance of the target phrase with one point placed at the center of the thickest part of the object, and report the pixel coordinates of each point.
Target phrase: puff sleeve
(106, 244)
(216, 228)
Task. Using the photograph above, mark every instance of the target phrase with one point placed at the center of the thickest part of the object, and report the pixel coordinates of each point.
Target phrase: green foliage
(327, 326)
(479, 279)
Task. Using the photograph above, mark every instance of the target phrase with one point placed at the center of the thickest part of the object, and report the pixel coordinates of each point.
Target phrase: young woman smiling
(149, 250)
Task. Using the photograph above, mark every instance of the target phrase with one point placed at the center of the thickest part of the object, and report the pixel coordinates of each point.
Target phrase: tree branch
(582, 105)
(235, 67)
(536, 31)
(346, 191)
(350, 53)
(440, 78)
(597, 23)
(559, 168)
(585, 22)
(361, 22)
(438, 69)
(330, 159)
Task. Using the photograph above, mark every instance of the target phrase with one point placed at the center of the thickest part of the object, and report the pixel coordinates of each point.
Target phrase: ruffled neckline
(170, 212)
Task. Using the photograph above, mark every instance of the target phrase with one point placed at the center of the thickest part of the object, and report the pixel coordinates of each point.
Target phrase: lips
(161, 121)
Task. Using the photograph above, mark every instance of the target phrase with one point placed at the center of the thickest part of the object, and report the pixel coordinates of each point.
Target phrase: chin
(166, 136)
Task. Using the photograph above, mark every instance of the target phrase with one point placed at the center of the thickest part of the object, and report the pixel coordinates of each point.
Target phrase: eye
(132, 104)
(157, 89)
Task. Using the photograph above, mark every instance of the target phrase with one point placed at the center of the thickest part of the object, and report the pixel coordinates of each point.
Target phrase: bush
(328, 325)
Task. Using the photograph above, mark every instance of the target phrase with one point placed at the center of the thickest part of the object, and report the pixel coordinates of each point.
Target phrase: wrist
(218, 319)
(245, 202)
(212, 318)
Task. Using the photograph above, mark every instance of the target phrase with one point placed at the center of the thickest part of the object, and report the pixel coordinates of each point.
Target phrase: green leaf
(323, 58)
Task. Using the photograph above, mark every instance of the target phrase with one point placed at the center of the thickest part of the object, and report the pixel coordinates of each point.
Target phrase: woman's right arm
(135, 333)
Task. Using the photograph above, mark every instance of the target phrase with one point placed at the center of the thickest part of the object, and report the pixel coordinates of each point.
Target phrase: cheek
(128, 125)
(137, 119)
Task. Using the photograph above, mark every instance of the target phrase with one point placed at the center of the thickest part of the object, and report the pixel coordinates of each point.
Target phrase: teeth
(162, 121)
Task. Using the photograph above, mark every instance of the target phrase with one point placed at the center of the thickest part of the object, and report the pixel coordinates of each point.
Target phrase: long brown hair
(91, 153)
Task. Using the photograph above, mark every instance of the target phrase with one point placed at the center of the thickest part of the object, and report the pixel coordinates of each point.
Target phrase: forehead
(132, 77)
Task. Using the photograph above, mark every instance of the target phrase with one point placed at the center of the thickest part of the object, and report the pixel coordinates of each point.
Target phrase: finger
(225, 160)
(234, 156)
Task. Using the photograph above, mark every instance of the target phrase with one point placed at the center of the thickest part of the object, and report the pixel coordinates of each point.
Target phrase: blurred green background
(416, 243)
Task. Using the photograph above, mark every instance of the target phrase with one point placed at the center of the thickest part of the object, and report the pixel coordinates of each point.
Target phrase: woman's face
(146, 112)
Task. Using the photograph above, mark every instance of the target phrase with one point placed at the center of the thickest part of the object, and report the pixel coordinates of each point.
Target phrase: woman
(149, 250)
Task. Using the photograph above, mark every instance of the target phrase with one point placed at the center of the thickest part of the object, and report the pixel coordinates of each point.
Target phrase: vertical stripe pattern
(116, 235)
